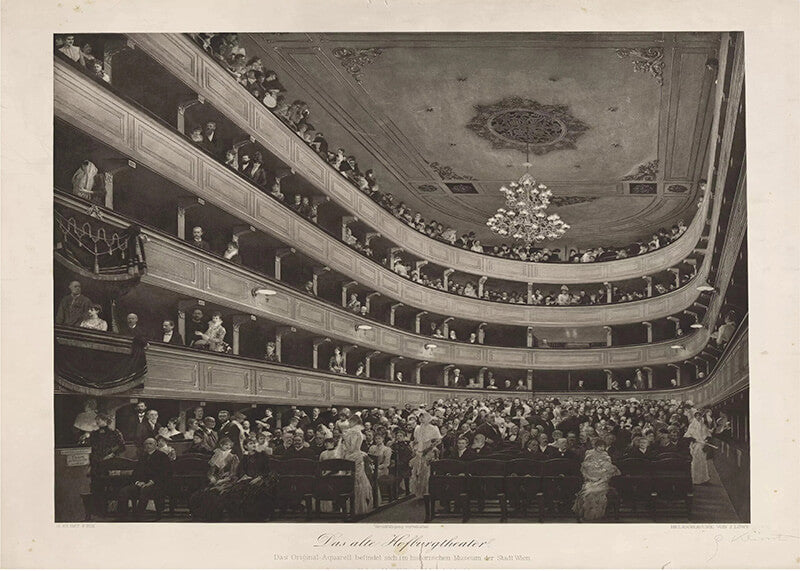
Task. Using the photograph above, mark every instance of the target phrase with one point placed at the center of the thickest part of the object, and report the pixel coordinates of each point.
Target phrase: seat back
(294, 466)
(560, 467)
(448, 467)
(486, 478)
(639, 467)
(335, 478)
(521, 467)
(448, 479)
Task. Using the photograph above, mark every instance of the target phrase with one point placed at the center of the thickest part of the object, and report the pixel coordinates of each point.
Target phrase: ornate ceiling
(616, 124)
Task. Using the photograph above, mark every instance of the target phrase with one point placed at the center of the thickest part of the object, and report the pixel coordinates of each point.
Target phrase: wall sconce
(363, 327)
(706, 288)
(678, 347)
(697, 325)
(430, 346)
(265, 291)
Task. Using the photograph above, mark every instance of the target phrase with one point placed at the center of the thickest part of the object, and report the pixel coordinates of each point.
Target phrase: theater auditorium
(409, 277)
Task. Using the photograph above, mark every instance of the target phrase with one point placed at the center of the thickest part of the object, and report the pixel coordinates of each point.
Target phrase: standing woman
(597, 470)
(214, 337)
(351, 450)
(426, 439)
(698, 432)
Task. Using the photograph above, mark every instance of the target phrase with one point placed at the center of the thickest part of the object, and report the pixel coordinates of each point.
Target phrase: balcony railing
(101, 114)
(180, 373)
(177, 266)
(184, 60)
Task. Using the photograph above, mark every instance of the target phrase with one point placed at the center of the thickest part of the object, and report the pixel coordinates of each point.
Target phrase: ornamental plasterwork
(518, 123)
(647, 60)
(677, 188)
(354, 59)
(570, 200)
(428, 188)
(645, 171)
(447, 173)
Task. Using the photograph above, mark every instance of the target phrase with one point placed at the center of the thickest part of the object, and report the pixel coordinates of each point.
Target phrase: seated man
(149, 481)
(197, 239)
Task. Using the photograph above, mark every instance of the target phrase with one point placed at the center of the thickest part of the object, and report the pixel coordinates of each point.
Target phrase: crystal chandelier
(525, 218)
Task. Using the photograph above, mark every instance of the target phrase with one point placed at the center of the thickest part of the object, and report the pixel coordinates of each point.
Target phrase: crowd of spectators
(82, 56)
(264, 85)
(462, 428)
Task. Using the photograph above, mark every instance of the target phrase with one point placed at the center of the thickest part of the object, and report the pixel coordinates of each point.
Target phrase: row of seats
(552, 485)
(300, 481)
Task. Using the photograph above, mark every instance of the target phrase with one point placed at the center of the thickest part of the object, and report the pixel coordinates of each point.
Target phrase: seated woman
(250, 498)
(208, 504)
(336, 363)
(597, 470)
(214, 337)
(170, 432)
(93, 320)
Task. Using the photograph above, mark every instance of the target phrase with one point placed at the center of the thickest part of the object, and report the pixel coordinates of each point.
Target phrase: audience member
(74, 307)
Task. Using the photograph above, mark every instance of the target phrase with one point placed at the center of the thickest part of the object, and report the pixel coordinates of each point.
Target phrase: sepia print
(400, 278)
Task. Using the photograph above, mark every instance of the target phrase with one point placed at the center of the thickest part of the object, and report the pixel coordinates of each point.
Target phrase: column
(241, 230)
(482, 376)
(346, 221)
(649, 376)
(609, 335)
(529, 337)
(108, 177)
(279, 334)
(446, 375)
(608, 292)
(186, 203)
(281, 253)
(677, 373)
(111, 49)
(530, 293)
(418, 321)
(649, 284)
(316, 273)
(393, 312)
(529, 379)
(345, 287)
(481, 285)
(183, 107)
(648, 326)
(237, 321)
(481, 333)
(446, 278)
(677, 323)
(368, 360)
(418, 372)
(609, 378)
(345, 350)
(316, 201)
(392, 367)
(446, 327)
(317, 342)
(677, 273)
(368, 300)
(185, 305)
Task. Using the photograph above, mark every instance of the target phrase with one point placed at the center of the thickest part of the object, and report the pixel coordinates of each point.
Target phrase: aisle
(711, 505)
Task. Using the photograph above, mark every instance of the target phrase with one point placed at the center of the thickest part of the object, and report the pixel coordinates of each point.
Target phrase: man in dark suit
(460, 451)
(197, 239)
(298, 449)
(132, 327)
(147, 429)
(640, 448)
(131, 426)
(196, 324)
(479, 448)
(563, 451)
(543, 450)
(170, 336)
(211, 141)
(489, 430)
(458, 379)
(150, 479)
(231, 429)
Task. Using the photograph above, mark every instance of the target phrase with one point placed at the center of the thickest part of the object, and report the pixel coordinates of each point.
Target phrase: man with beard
(197, 324)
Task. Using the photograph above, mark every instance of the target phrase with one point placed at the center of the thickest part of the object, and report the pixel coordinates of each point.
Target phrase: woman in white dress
(426, 438)
(351, 450)
(93, 320)
(84, 179)
(698, 432)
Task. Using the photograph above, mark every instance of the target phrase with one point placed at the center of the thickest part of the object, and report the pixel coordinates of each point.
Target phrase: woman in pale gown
(597, 470)
(699, 433)
(83, 181)
(350, 449)
(426, 439)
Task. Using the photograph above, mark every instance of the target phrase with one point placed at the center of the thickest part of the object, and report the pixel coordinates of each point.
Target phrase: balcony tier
(98, 112)
(194, 375)
(183, 59)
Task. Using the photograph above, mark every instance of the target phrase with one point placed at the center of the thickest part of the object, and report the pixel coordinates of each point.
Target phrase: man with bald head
(149, 481)
(74, 307)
